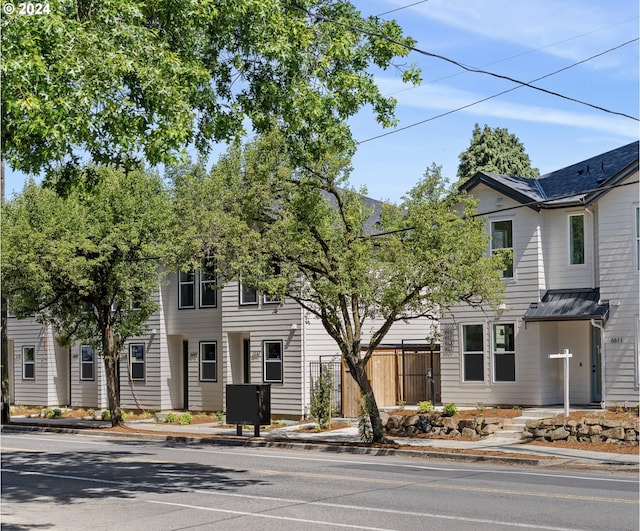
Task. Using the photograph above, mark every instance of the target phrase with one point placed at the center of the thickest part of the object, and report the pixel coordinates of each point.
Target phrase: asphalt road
(59, 481)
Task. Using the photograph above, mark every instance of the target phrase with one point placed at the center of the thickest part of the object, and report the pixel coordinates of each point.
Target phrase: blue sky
(522, 39)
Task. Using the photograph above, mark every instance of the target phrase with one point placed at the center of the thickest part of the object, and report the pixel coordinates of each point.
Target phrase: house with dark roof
(573, 283)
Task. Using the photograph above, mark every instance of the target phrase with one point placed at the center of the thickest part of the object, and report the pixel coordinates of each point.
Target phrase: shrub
(450, 409)
(185, 418)
(425, 406)
(53, 413)
(171, 417)
(401, 404)
(321, 399)
(106, 415)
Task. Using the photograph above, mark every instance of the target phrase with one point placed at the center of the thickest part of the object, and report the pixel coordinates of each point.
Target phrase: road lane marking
(442, 486)
(352, 507)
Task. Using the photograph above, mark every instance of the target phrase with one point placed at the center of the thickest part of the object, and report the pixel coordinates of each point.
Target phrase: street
(62, 481)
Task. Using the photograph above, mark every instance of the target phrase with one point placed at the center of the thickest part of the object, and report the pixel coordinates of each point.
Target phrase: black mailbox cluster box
(249, 404)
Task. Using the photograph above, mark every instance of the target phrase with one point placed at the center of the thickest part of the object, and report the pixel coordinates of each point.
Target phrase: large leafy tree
(84, 257)
(495, 150)
(351, 262)
(117, 80)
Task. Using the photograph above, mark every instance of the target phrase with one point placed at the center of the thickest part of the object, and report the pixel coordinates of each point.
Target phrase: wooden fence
(408, 373)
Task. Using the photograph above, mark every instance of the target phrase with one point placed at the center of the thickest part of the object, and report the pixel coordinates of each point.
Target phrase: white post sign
(565, 356)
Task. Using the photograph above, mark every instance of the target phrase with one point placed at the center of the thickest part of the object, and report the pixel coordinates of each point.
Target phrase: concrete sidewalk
(492, 447)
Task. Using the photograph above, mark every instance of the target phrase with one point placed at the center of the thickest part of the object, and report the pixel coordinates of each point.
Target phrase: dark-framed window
(576, 239)
(248, 295)
(502, 238)
(473, 352)
(137, 361)
(186, 289)
(29, 362)
(87, 362)
(208, 291)
(504, 352)
(273, 362)
(208, 361)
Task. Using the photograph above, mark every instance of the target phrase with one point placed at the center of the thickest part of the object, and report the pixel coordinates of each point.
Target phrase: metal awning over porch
(568, 305)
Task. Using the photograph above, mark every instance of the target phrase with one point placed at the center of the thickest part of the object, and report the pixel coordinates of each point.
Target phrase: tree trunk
(110, 355)
(357, 368)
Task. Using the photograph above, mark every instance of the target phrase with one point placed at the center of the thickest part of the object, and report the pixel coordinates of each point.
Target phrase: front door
(596, 364)
(246, 361)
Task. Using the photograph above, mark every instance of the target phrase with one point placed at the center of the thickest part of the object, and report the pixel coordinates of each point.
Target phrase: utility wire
(495, 95)
(458, 64)
(400, 8)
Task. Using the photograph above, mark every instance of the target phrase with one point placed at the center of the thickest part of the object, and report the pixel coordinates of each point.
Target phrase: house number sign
(616, 340)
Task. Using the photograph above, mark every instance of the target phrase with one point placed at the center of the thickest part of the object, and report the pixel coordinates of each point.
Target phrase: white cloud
(571, 29)
(437, 97)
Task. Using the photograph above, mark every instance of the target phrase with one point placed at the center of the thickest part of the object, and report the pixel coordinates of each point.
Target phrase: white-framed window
(29, 362)
(504, 352)
(186, 289)
(273, 365)
(502, 238)
(637, 235)
(248, 295)
(137, 361)
(87, 362)
(208, 291)
(208, 361)
(576, 239)
(473, 353)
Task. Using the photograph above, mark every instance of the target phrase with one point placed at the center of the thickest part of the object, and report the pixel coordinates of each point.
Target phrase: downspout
(597, 325)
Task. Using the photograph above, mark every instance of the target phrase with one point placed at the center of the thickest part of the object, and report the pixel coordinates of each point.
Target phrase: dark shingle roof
(582, 182)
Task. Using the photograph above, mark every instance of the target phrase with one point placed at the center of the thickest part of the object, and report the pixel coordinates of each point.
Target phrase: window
(275, 271)
(87, 357)
(208, 362)
(187, 286)
(208, 290)
(473, 353)
(136, 361)
(637, 224)
(502, 238)
(29, 363)
(504, 352)
(273, 361)
(248, 295)
(576, 239)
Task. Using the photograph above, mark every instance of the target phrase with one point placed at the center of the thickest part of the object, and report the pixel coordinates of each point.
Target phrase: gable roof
(581, 183)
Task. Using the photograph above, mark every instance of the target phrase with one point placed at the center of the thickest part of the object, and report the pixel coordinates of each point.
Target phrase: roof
(568, 305)
(581, 183)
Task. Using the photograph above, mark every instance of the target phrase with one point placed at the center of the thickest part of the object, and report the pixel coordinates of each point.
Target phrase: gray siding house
(199, 340)
(573, 284)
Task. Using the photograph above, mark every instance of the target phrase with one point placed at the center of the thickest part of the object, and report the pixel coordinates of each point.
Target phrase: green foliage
(53, 413)
(321, 402)
(78, 252)
(517, 407)
(364, 422)
(401, 404)
(185, 418)
(450, 409)
(124, 79)
(106, 415)
(480, 406)
(497, 151)
(170, 418)
(425, 406)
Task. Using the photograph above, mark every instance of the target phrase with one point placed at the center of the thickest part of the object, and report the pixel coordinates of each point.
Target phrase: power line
(458, 64)
(400, 8)
(494, 95)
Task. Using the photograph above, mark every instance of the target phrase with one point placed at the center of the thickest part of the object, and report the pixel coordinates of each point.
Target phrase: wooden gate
(409, 373)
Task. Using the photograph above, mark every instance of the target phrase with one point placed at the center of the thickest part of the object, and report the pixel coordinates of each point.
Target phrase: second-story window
(502, 238)
(576, 239)
(248, 295)
(208, 290)
(186, 293)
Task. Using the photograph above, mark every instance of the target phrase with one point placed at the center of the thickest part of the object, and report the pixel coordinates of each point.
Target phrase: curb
(316, 446)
